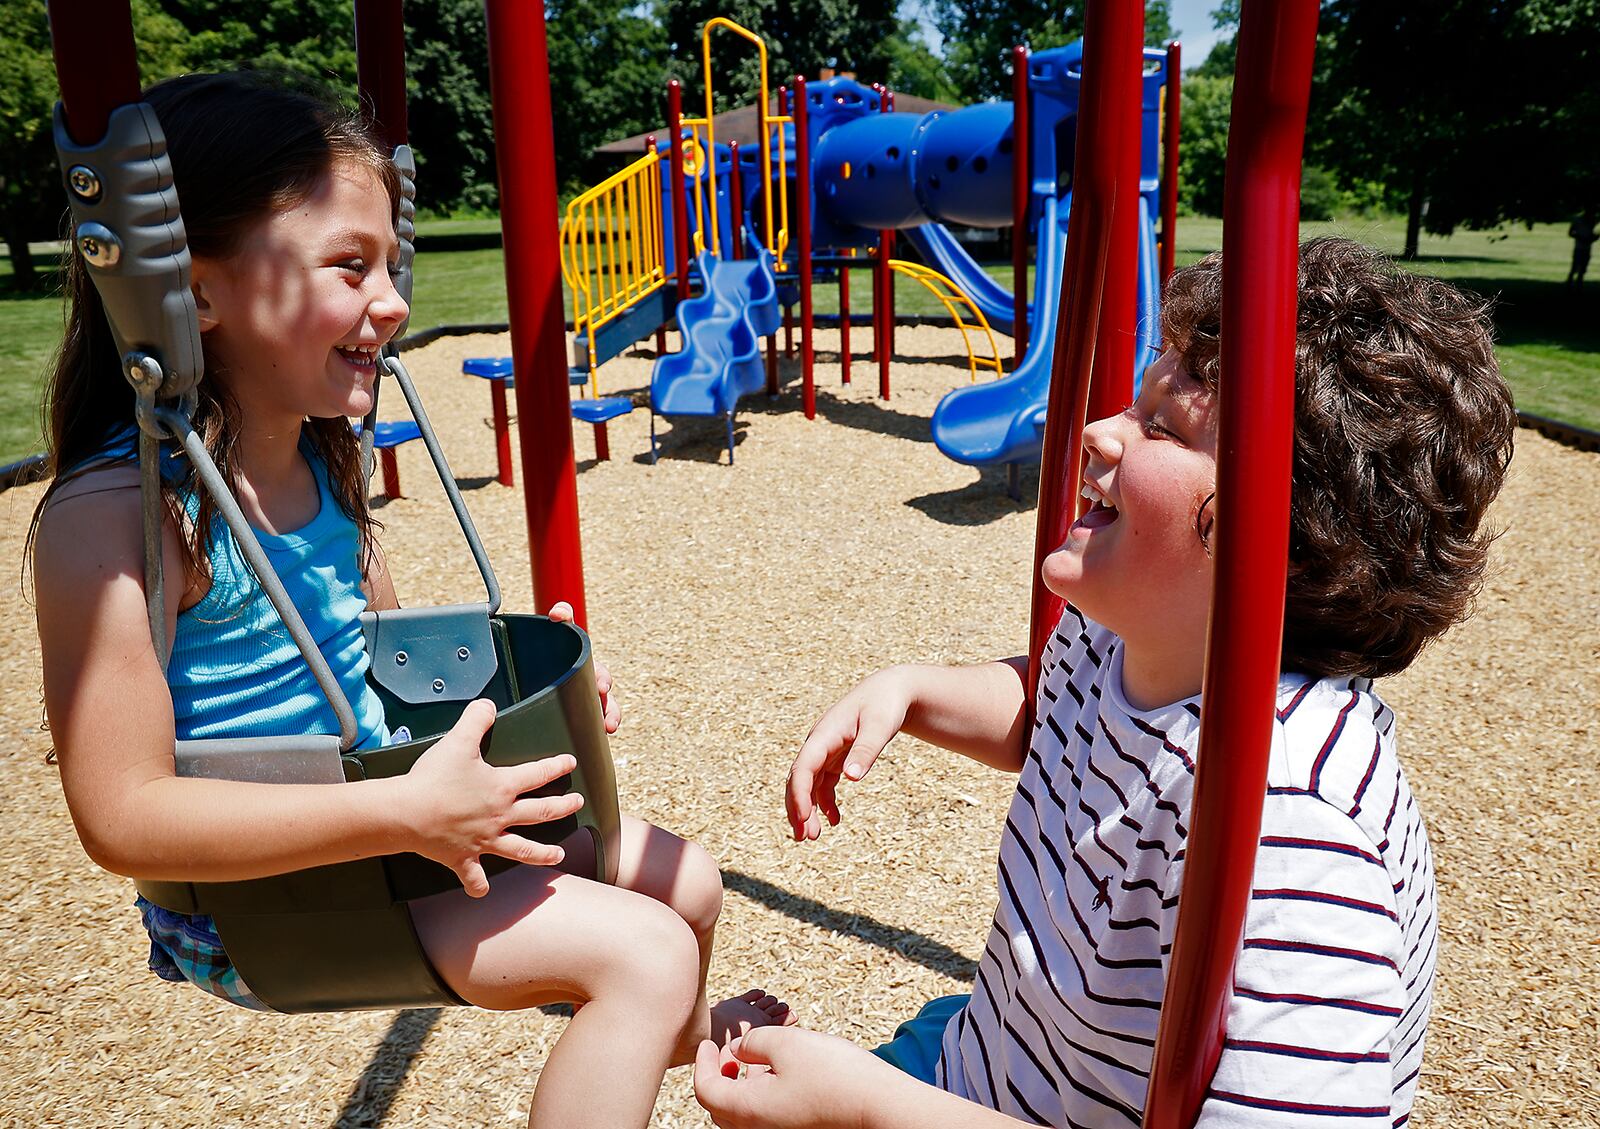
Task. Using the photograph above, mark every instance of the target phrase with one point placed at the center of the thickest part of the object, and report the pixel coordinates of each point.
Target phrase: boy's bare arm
(973, 710)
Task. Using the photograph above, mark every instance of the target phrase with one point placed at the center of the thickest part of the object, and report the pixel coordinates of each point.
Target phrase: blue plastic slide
(940, 251)
(1002, 421)
(722, 329)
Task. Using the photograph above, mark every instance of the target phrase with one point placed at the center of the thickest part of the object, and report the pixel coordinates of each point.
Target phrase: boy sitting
(1403, 433)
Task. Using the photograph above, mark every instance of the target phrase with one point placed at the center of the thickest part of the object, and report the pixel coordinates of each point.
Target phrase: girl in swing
(290, 211)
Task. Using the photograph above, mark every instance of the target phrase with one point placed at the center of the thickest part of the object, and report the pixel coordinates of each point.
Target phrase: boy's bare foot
(732, 1018)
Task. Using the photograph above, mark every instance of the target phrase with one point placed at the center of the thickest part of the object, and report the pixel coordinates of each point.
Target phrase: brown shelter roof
(742, 124)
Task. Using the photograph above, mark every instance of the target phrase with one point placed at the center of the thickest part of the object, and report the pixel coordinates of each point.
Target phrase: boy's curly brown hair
(1403, 432)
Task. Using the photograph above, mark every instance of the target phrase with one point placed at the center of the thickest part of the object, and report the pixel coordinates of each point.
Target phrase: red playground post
(1171, 127)
(1260, 237)
(882, 291)
(680, 193)
(381, 67)
(802, 183)
(1020, 172)
(1113, 65)
(1116, 342)
(844, 322)
(519, 81)
(735, 200)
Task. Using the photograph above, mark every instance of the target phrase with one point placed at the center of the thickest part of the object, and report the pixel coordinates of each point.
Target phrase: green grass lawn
(1548, 338)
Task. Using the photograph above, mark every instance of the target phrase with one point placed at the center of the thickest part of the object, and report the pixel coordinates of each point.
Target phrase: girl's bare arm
(111, 720)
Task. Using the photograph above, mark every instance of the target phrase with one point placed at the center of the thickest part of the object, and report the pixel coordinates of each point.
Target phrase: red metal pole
(95, 76)
(381, 67)
(519, 81)
(772, 365)
(882, 302)
(844, 321)
(802, 206)
(680, 193)
(1261, 212)
(1112, 53)
(1116, 344)
(1171, 129)
(391, 472)
(650, 146)
(1020, 187)
(502, 432)
(736, 200)
(888, 275)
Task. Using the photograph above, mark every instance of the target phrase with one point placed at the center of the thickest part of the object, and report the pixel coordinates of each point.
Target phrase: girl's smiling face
(1138, 560)
(294, 319)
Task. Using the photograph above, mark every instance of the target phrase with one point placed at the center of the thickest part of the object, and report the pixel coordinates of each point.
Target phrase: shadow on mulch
(983, 501)
(914, 946)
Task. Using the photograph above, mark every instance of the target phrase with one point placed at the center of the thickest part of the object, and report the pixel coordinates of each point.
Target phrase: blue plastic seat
(602, 409)
(392, 434)
(490, 368)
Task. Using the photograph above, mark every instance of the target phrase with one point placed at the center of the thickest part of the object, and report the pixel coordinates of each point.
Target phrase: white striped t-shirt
(1333, 983)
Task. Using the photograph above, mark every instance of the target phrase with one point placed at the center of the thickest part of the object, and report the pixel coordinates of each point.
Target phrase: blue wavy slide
(1002, 421)
(722, 329)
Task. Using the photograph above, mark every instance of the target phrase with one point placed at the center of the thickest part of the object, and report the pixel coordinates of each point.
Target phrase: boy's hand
(561, 612)
(461, 807)
(845, 742)
(793, 1079)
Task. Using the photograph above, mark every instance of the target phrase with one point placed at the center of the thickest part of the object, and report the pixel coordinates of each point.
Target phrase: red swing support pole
(1171, 129)
(381, 67)
(519, 81)
(93, 86)
(1113, 62)
(1261, 213)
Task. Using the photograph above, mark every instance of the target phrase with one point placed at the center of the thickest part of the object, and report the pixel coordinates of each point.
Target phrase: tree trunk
(23, 276)
(1413, 219)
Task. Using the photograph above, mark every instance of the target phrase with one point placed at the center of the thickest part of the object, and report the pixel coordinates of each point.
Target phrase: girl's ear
(202, 284)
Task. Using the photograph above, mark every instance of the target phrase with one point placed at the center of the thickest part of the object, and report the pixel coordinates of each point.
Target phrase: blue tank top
(236, 672)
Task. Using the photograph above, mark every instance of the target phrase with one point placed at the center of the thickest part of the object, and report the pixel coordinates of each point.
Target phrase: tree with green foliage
(979, 36)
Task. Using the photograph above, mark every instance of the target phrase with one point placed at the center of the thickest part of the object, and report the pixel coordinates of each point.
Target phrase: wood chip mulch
(734, 605)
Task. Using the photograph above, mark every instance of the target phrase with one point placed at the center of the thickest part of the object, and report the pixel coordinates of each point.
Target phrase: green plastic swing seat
(340, 937)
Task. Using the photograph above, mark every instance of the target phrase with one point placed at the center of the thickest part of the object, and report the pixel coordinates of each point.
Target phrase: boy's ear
(202, 284)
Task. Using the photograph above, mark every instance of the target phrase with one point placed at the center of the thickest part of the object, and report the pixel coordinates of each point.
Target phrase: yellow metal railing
(611, 248)
(953, 299)
(704, 136)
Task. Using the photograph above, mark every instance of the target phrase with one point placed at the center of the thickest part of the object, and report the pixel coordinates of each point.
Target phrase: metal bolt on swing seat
(463, 654)
(438, 686)
(144, 372)
(401, 658)
(99, 244)
(85, 183)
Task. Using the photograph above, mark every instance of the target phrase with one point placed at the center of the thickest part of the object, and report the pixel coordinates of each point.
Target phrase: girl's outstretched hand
(791, 1079)
(844, 742)
(561, 612)
(464, 807)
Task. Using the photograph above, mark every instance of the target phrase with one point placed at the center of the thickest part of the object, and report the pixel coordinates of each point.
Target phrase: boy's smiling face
(1137, 561)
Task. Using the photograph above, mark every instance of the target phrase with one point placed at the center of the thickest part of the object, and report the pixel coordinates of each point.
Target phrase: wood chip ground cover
(734, 604)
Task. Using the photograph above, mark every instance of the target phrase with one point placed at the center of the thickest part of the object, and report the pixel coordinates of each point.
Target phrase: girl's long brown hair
(244, 145)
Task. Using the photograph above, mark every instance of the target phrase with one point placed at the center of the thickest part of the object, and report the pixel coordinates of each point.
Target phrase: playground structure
(835, 177)
(1274, 74)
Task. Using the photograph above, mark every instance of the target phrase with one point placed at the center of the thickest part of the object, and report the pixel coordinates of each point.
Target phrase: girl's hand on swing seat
(463, 807)
(561, 612)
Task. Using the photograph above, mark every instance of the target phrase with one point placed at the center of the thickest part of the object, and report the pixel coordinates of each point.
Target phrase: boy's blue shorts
(917, 1042)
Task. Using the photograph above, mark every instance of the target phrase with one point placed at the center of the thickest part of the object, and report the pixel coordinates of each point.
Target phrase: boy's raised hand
(845, 742)
(561, 612)
(462, 808)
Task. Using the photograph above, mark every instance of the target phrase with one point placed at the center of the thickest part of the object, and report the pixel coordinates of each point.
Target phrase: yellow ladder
(954, 299)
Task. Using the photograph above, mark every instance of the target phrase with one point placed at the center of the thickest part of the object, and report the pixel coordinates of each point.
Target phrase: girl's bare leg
(629, 962)
(684, 876)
